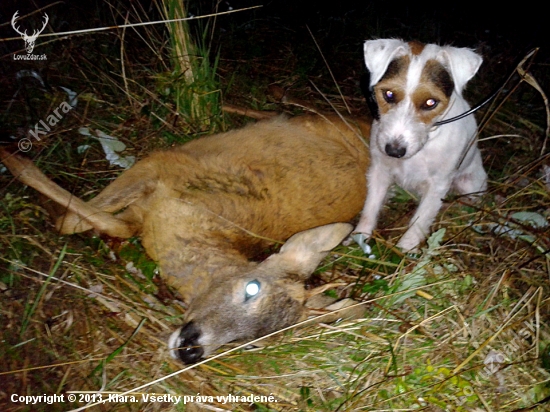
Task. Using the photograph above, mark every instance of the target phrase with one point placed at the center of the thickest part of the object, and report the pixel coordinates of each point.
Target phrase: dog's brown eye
(430, 104)
(389, 96)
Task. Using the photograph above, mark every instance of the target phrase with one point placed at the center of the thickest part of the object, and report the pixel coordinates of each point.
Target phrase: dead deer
(204, 210)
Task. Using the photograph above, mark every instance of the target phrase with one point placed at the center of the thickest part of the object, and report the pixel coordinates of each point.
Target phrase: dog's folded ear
(462, 63)
(380, 53)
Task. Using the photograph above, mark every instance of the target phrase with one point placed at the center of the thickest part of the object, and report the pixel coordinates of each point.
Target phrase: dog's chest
(411, 174)
(425, 169)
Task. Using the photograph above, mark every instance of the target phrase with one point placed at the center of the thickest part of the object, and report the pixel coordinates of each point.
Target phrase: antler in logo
(29, 40)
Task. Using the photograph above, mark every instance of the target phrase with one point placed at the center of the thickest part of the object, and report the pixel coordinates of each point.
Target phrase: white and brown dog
(414, 87)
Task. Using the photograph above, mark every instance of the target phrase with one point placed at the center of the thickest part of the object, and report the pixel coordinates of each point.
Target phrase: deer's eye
(251, 289)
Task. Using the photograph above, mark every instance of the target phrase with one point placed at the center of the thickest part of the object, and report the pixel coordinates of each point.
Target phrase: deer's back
(274, 178)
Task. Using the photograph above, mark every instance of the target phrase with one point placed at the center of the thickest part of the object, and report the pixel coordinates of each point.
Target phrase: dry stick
(329, 70)
(492, 110)
(122, 60)
(148, 23)
(340, 115)
(527, 77)
(498, 136)
(254, 114)
(298, 103)
(496, 288)
(538, 322)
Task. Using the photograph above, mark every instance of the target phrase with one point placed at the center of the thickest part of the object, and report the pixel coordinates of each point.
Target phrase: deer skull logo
(29, 40)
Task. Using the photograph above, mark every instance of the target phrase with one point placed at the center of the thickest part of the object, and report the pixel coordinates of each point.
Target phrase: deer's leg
(126, 192)
(80, 215)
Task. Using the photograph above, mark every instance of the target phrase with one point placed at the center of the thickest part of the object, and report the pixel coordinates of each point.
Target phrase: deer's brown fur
(204, 210)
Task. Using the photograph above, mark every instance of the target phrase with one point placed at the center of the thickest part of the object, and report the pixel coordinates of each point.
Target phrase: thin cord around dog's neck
(472, 110)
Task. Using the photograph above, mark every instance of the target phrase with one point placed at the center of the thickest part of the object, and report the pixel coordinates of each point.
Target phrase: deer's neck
(194, 270)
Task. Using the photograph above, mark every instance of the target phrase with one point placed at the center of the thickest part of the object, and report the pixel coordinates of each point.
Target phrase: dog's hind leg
(472, 180)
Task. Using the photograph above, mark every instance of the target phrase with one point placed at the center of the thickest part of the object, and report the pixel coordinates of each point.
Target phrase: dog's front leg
(419, 227)
(379, 181)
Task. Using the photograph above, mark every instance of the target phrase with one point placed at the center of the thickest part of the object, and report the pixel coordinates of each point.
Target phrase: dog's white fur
(437, 158)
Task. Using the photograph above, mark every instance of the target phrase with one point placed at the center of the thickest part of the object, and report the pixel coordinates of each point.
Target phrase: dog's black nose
(395, 150)
(189, 350)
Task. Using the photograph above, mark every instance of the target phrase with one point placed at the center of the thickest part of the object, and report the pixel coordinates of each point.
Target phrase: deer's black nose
(188, 348)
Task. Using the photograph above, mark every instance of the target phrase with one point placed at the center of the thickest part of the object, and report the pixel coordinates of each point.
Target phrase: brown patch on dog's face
(390, 90)
(432, 95)
(435, 73)
(416, 47)
(430, 98)
(397, 69)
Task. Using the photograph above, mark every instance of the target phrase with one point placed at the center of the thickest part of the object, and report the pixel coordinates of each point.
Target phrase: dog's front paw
(361, 239)
(409, 242)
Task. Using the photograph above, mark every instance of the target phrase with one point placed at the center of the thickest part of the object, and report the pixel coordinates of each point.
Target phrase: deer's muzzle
(184, 344)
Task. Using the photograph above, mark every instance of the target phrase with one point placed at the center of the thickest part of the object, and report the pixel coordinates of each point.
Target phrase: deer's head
(263, 300)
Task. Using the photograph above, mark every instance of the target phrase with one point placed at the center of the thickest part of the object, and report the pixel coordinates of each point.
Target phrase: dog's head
(414, 85)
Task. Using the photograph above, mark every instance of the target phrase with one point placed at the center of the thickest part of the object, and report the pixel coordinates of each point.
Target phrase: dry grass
(462, 327)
